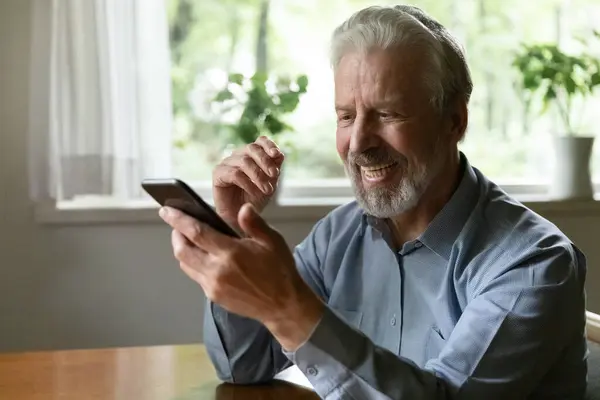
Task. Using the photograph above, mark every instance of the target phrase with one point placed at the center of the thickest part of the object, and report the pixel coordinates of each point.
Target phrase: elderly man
(434, 284)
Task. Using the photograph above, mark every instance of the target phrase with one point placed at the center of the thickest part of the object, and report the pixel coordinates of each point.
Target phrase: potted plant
(559, 78)
(258, 105)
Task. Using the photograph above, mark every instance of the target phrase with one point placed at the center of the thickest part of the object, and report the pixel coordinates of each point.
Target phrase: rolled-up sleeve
(505, 342)
(242, 349)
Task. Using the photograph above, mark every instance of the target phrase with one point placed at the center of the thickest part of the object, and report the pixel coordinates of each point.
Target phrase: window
(108, 109)
(212, 38)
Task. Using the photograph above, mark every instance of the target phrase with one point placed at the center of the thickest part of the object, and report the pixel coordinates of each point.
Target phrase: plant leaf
(570, 85)
(247, 131)
(302, 82)
(223, 95)
(274, 125)
(549, 96)
(595, 79)
(259, 79)
(238, 79)
(289, 101)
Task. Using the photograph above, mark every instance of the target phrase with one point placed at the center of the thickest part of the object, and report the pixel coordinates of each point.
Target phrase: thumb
(254, 225)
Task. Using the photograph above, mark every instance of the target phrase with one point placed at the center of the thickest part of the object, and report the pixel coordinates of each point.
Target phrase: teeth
(376, 167)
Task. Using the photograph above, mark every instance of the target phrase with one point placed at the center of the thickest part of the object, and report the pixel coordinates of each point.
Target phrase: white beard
(386, 202)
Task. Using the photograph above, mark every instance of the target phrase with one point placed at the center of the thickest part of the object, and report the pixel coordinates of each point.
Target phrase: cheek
(399, 138)
(342, 142)
(410, 141)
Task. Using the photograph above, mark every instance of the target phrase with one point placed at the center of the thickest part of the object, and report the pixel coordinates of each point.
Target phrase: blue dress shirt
(488, 303)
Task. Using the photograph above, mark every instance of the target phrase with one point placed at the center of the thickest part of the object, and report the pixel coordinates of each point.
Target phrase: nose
(364, 135)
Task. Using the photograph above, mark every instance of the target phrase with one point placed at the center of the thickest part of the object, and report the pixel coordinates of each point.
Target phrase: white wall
(110, 285)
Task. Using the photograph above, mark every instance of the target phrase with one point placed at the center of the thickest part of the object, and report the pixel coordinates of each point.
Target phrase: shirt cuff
(328, 354)
(213, 337)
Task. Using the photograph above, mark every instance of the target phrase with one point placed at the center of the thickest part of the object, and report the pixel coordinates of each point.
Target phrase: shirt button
(312, 371)
(418, 245)
(393, 321)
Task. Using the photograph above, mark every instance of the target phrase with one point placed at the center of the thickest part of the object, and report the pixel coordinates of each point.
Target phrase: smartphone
(175, 193)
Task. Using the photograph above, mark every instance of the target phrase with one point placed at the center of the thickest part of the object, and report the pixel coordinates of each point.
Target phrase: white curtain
(100, 97)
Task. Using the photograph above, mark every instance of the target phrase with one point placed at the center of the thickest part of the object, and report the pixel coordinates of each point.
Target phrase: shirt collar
(447, 225)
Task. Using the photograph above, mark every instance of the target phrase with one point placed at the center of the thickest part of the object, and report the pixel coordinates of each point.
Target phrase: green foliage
(557, 77)
(261, 103)
(221, 35)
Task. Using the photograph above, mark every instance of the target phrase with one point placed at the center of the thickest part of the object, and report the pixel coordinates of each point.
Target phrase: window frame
(311, 202)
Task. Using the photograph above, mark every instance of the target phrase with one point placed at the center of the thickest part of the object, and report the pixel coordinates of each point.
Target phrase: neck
(411, 224)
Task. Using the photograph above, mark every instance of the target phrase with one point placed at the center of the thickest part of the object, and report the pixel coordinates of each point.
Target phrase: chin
(387, 201)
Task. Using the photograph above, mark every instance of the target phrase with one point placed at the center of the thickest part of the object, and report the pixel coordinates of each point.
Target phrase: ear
(458, 118)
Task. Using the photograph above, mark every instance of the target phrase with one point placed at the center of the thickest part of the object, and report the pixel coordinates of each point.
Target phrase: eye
(386, 115)
(345, 118)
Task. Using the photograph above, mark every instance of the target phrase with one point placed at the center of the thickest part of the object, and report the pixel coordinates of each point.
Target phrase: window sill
(287, 210)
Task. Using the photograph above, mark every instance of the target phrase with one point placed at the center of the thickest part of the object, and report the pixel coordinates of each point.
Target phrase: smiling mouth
(377, 172)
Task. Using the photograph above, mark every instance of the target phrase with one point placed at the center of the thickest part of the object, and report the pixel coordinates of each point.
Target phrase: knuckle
(218, 173)
(238, 174)
(247, 160)
(250, 166)
(236, 153)
(197, 231)
(254, 148)
(178, 251)
(265, 142)
(264, 157)
(229, 258)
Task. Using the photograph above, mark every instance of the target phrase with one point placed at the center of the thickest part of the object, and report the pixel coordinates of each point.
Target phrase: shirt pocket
(435, 343)
(351, 317)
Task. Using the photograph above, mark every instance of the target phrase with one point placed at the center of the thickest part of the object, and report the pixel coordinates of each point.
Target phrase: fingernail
(273, 171)
(274, 152)
(267, 188)
(163, 212)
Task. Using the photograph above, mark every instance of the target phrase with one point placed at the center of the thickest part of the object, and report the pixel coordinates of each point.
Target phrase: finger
(255, 226)
(200, 234)
(192, 273)
(200, 279)
(226, 175)
(270, 147)
(184, 250)
(269, 165)
(256, 174)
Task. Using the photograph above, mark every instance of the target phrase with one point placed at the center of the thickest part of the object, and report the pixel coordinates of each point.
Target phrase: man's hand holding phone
(254, 276)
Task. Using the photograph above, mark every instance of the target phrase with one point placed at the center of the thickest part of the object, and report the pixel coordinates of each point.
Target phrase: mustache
(375, 156)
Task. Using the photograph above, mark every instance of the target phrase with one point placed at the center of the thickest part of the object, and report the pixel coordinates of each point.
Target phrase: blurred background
(507, 139)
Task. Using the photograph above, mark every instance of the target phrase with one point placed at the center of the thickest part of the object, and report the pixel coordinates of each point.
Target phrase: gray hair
(448, 75)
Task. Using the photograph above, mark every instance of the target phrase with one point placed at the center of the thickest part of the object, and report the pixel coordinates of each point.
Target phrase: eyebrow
(391, 101)
(387, 102)
(343, 107)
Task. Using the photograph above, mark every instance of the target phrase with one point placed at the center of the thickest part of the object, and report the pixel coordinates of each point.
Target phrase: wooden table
(137, 373)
